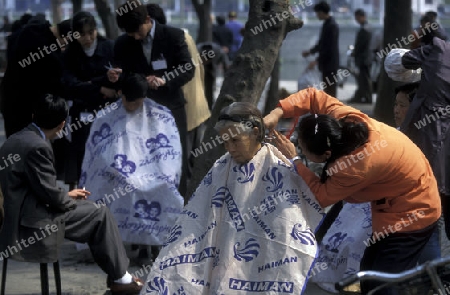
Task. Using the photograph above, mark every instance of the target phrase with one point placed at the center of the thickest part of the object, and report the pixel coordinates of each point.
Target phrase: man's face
(320, 15)
(360, 19)
(88, 36)
(143, 30)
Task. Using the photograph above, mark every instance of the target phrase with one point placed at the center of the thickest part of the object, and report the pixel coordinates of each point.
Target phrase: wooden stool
(44, 277)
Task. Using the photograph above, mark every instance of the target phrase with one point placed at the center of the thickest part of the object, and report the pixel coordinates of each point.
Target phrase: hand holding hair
(271, 120)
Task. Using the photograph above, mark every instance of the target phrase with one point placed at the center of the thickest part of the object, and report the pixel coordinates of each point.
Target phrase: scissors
(110, 67)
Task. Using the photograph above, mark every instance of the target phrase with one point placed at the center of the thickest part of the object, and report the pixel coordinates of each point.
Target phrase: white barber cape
(132, 165)
(343, 245)
(248, 228)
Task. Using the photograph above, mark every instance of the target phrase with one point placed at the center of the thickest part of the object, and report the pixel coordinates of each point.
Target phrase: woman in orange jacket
(366, 161)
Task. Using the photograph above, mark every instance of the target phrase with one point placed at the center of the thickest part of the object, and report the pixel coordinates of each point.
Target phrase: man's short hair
(232, 14)
(157, 13)
(322, 6)
(134, 86)
(220, 20)
(409, 89)
(360, 12)
(432, 14)
(82, 19)
(50, 111)
(133, 14)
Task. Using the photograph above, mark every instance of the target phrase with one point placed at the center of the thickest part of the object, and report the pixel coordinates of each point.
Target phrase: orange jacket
(389, 166)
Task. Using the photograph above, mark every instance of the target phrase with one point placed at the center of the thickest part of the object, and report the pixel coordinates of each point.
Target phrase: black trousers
(393, 254)
(180, 119)
(364, 82)
(96, 226)
(331, 84)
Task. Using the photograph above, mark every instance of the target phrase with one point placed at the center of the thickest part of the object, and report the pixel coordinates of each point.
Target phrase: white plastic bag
(395, 69)
(309, 78)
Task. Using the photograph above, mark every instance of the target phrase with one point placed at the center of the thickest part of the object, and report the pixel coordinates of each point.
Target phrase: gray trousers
(97, 227)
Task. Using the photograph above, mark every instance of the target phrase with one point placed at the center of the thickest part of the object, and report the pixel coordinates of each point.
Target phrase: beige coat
(197, 110)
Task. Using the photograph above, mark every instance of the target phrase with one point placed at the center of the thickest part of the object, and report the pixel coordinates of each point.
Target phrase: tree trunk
(204, 17)
(397, 24)
(76, 6)
(108, 20)
(247, 76)
(274, 89)
(56, 11)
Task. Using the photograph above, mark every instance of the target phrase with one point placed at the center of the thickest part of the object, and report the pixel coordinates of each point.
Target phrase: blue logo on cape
(275, 177)
(223, 195)
(157, 286)
(248, 253)
(174, 234)
(305, 237)
(248, 171)
(264, 286)
(209, 252)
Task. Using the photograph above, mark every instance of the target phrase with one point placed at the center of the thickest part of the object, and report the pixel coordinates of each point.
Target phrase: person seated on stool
(33, 202)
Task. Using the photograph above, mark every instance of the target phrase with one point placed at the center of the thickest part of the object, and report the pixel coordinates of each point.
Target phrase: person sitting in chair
(33, 201)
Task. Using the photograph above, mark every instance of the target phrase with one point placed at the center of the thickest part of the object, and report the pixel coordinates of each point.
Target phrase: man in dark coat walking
(327, 47)
(363, 59)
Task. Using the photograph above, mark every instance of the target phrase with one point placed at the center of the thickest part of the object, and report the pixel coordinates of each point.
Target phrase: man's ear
(148, 19)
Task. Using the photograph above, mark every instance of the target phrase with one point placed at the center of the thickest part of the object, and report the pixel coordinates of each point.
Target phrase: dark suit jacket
(33, 202)
(363, 54)
(84, 76)
(222, 36)
(168, 42)
(328, 47)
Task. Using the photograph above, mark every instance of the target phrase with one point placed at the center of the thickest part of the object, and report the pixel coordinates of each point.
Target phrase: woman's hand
(271, 120)
(284, 145)
(113, 74)
(79, 194)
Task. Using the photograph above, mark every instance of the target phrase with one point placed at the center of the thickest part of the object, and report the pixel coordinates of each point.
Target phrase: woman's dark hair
(64, 27)
(322, 6)
(321, 133)
(131, 15)
(82, 19)
(157, 13)
(50, 111)
(242, 112)
(410, 89)
(134, 86)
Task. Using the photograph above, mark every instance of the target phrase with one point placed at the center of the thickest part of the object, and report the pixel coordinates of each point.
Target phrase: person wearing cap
(235, 27)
